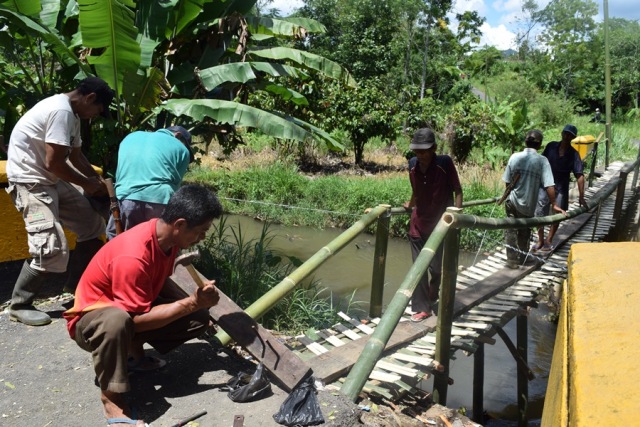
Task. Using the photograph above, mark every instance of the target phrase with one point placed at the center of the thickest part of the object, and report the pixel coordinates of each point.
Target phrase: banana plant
(197, 58)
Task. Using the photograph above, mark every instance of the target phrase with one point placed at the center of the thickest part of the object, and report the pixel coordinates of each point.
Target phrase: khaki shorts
(45, 208)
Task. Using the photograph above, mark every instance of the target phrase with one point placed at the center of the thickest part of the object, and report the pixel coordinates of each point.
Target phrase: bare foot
(115, 407)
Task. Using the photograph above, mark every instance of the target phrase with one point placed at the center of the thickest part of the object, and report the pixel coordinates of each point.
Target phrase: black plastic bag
(301, 407)
(246, 387)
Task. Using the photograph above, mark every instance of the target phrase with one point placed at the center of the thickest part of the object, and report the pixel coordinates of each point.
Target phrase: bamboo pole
(445, 312)
(289, 283)
(403, 211)
(361, 370)
(379, 264)
(472, 221)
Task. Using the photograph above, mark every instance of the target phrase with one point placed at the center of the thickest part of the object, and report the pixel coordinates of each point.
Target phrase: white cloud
(286, 7)
(500, 37)
(462, 6)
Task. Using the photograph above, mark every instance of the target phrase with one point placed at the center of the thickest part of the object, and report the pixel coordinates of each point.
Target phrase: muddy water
(351, 270)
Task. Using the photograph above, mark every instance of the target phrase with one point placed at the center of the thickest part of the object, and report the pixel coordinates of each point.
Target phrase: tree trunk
(423, 83)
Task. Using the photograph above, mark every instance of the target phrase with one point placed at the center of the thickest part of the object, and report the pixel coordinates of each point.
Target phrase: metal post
(617, 209)
(445, 312)
(523, 385)
(379, 263)
(595, 223)
(478, 384)
(635, 168)
(607, 84)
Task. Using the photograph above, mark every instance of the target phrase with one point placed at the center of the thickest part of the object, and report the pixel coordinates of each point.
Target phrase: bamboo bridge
(389, 356)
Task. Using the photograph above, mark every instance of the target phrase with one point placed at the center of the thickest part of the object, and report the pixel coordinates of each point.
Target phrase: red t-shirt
(433, 191)
(128, 272)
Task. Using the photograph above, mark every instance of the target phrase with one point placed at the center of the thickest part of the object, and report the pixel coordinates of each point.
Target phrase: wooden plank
(364, 328)
(418, 360)
(283, 364)
(384, 376)
(346, 332)
(331, 339)
(399, 369)
(314, 347)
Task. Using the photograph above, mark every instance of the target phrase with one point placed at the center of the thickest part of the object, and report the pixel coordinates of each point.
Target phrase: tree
(204, 55)
(569, 37)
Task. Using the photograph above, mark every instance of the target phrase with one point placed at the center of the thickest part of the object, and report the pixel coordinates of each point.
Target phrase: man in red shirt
(123, 300)
(434, 181)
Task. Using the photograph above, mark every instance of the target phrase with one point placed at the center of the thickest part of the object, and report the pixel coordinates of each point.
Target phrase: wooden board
(277, 358)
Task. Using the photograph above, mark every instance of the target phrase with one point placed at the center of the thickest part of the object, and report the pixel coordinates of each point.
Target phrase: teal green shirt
(535, 172)
(151, 166)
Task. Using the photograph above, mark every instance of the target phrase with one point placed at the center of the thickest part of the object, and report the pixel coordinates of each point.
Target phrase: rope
(258, 202)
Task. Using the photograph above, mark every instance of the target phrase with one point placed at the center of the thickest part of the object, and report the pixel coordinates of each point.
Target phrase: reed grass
(245, 269)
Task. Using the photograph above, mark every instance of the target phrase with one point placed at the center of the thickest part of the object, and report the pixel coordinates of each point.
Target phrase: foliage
(467, 124)
(247, 269)
(149, 51)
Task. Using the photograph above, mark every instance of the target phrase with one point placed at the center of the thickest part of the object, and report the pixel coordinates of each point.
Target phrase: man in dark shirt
(564, 159)
(434, 180)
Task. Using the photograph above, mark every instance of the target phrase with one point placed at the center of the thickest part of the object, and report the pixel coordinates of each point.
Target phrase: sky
(501, 27)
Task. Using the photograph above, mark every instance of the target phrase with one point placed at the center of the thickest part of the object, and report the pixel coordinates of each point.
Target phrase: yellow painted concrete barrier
(13, 237)
(595, 373)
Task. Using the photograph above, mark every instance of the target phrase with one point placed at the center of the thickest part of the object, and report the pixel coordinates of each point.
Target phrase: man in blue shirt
(564, 159)
(151, 166)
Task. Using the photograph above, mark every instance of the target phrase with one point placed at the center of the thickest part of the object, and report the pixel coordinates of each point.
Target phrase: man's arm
(56, 163)
(580, 181)
(163, 314)
(551, 193)
(458, 194)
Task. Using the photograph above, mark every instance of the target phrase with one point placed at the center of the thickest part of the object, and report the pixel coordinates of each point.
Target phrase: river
(351, 270)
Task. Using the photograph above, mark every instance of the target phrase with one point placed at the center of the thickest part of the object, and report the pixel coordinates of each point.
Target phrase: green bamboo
(289, 283)
(472, 221)
(361, 370)
(379, 264)
(403, 211)
(445, 312)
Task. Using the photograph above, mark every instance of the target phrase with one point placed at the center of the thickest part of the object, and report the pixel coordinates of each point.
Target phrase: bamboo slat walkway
(488, 296)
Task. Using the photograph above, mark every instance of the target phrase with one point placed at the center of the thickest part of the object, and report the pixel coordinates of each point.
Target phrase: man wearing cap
(564, 159)
(434, 181)
(45, 168)
(150, 168)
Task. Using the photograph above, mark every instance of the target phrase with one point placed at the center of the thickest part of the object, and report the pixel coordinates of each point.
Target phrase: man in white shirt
(44, 160)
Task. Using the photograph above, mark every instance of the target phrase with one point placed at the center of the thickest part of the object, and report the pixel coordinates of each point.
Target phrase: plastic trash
(301, 407)
(246, 387)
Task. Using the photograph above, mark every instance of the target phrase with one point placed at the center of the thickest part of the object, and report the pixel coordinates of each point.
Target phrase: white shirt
(50, 121)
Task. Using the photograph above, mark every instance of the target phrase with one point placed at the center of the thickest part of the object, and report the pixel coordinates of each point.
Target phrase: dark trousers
(107, 334)
(427, 290)
(516, 237)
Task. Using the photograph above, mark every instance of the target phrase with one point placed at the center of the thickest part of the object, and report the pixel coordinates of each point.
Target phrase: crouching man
(123, 299)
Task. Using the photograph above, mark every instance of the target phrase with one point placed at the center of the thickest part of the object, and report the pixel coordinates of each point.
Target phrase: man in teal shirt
(151, 166)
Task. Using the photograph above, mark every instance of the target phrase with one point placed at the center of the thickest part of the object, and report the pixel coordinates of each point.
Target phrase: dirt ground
(47, 380)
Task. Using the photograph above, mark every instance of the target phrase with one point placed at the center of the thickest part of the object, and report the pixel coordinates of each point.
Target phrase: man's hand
(407, 206)
(558, 209)
(95, 186)
(582, 202)
(207, 296)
